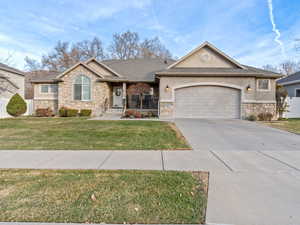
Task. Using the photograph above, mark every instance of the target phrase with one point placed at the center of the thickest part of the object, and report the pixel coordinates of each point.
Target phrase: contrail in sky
(275, 30)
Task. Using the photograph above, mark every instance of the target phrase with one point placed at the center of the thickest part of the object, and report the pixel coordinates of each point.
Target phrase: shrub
(129, 113)
(266, 116)
(16, 106)
(66, 112)
(138, 114)
(133, 114)
(252, 118)
(72, 112)
(62, 112)
(85, 112)
(44, 112)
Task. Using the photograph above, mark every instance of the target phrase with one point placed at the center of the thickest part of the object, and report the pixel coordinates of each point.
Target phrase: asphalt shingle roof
(42, 76)
(291, 78)
(145, 70)
(138, 69)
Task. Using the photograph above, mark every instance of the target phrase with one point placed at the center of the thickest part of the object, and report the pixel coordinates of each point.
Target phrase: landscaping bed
(291, 125)
(91, 196)
(34, 133)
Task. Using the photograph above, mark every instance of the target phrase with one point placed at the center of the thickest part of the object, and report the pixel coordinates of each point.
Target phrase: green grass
(291, 125)
(119, 196)
(82, 134)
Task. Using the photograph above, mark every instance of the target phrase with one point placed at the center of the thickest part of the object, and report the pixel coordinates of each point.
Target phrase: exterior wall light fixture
(167, 88)
(248, 88)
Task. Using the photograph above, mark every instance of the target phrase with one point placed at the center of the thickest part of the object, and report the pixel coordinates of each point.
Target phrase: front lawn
(291, 125)
(90, 196)
(82, 134)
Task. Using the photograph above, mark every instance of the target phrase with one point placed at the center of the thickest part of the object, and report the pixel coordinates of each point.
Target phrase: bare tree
(32, 64)
(289, 67)
(64, 55)
(125, 45)
(281, 104)
(90, 48)
(270, 68)
(153, 48)
(8, 59)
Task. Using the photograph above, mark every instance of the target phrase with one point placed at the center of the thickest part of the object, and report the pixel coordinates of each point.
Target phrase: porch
(140, 96)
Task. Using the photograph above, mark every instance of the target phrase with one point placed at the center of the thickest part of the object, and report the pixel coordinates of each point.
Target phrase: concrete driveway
(259, 181)
(240, 135)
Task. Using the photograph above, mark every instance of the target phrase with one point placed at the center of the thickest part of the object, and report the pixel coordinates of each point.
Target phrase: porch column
(124, 95)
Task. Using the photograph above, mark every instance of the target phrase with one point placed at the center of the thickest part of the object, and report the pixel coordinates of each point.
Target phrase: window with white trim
(82, 88)
(263, 84)
(297, 93)
(49, 88)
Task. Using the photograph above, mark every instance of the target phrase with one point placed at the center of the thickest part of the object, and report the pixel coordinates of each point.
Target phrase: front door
(118, 97)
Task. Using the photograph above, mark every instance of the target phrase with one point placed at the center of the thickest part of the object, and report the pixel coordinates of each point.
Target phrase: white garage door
(207, 102)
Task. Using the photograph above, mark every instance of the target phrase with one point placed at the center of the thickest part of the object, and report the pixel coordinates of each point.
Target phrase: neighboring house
(36, 75)
(206, 83)
(11, 82)
(292, 84)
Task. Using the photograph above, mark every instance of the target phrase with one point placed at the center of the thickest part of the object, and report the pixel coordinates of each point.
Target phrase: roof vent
(166, 61)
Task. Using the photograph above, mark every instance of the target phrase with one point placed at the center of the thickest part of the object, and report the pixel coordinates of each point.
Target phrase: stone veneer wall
(166, 109)
(247, 109)
(99, 92)
(257, 108)
(42, 104)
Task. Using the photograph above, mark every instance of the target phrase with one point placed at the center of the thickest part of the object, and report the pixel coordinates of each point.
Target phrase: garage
(207, 102)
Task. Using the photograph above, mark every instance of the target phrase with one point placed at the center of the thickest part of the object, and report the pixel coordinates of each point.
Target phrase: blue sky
(240, 28)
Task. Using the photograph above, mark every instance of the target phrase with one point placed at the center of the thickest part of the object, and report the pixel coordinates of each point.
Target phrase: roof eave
(45, 81)
(214, 74)
(289, 82)
(13, 71)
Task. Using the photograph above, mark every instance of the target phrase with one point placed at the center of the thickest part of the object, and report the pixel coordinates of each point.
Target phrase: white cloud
(275, 29)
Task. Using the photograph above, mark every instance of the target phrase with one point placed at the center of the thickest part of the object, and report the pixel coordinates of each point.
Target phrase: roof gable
(206, 56)
(77, 65)
(101, 68)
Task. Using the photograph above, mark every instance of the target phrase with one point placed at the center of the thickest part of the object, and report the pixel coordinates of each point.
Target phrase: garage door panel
(207, 102)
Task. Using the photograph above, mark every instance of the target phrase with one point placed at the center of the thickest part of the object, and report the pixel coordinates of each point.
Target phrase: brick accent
(42, 104)
(99, 92)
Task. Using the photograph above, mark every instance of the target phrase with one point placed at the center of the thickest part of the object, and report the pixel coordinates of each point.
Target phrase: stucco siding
(18, 80)
(205, 57)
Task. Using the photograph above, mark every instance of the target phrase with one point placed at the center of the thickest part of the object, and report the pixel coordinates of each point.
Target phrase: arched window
(82, 88)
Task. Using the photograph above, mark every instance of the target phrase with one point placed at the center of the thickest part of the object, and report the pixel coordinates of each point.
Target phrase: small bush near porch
(82, 134)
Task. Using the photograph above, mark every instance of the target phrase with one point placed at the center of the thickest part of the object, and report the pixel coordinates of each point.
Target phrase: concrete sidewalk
(256, 187)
